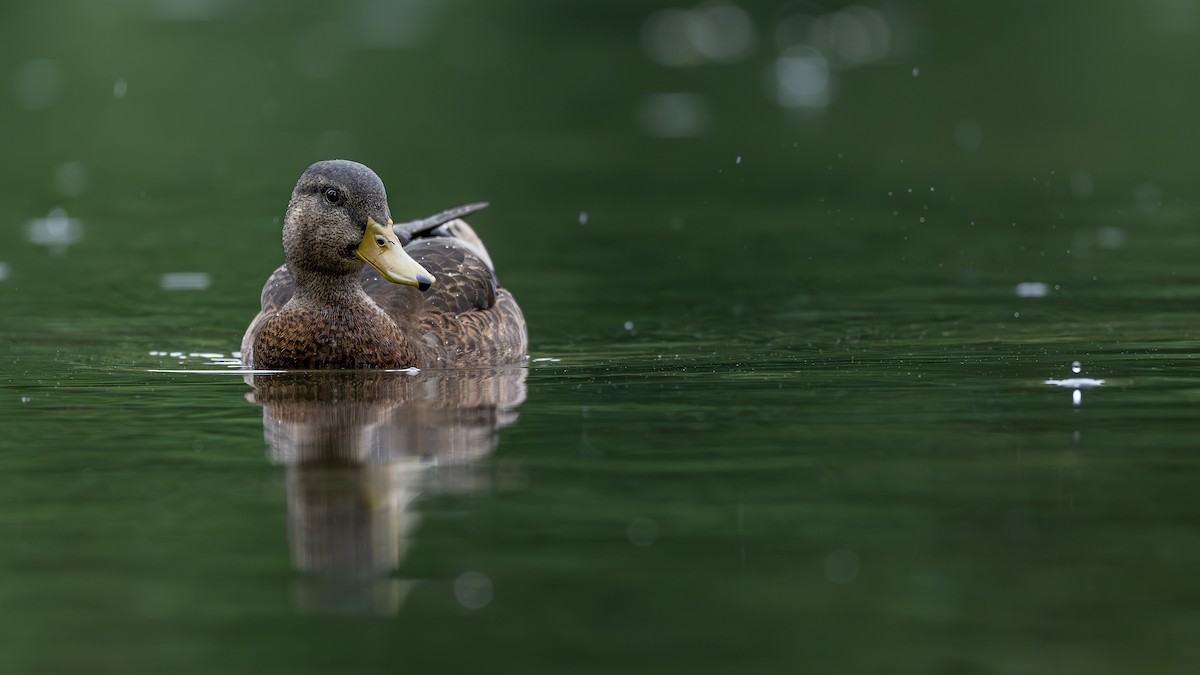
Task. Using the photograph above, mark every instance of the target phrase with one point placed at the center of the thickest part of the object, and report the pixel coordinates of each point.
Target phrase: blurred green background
(802, 269)
(174, 129)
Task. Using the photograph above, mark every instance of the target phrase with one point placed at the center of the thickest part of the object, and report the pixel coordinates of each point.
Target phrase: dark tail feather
(413, 229)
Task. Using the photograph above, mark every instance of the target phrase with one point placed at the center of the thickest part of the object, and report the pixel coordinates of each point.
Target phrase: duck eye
(333, 196)
(381, 242)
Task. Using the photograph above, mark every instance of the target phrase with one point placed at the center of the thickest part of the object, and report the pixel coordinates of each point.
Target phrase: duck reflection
(359, 448)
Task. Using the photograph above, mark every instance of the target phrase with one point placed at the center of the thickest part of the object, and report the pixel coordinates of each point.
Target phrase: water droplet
(1174, 16)
(858, 35)
(1149, 197)
(71, 178)
(473, 590)
(842, 566)
(386, 24)
(802, 78)
(320, 50)
(335, 143)
(666, 41)
(675, 115)
(1081, 184)
(1076, 367)
(968, 135)
(916, 71)
(722, 32)
(56, 231)
(120, 88)
(190, 10)
(38, 84)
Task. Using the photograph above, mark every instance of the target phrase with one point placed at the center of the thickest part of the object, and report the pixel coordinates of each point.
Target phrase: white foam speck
(184, 281)
(1076, 383)
(1032, 289)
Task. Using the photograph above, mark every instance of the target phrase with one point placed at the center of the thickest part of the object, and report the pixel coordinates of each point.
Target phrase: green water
(786, 409)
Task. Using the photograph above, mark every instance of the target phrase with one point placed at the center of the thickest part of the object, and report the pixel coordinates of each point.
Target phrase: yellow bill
(381, 249)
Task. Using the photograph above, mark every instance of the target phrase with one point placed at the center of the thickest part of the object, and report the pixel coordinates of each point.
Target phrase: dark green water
(787, 410)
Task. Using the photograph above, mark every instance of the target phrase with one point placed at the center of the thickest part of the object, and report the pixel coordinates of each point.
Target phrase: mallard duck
(359, 292)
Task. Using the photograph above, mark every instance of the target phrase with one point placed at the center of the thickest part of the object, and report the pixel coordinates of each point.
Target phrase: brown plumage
(326, 308)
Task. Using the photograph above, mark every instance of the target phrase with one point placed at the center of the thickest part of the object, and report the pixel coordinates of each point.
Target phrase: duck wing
(275, 293)
(465, 282)
(466, 318)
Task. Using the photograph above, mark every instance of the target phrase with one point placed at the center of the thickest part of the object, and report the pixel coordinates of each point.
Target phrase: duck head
(338, 219)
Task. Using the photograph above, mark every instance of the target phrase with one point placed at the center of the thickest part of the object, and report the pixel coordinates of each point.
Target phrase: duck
(357, 291)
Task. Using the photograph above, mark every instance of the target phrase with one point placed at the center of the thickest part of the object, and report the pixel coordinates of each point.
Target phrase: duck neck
(342, 290)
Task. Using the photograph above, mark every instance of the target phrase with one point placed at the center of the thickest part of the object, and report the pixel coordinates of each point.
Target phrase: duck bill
(381, 249)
